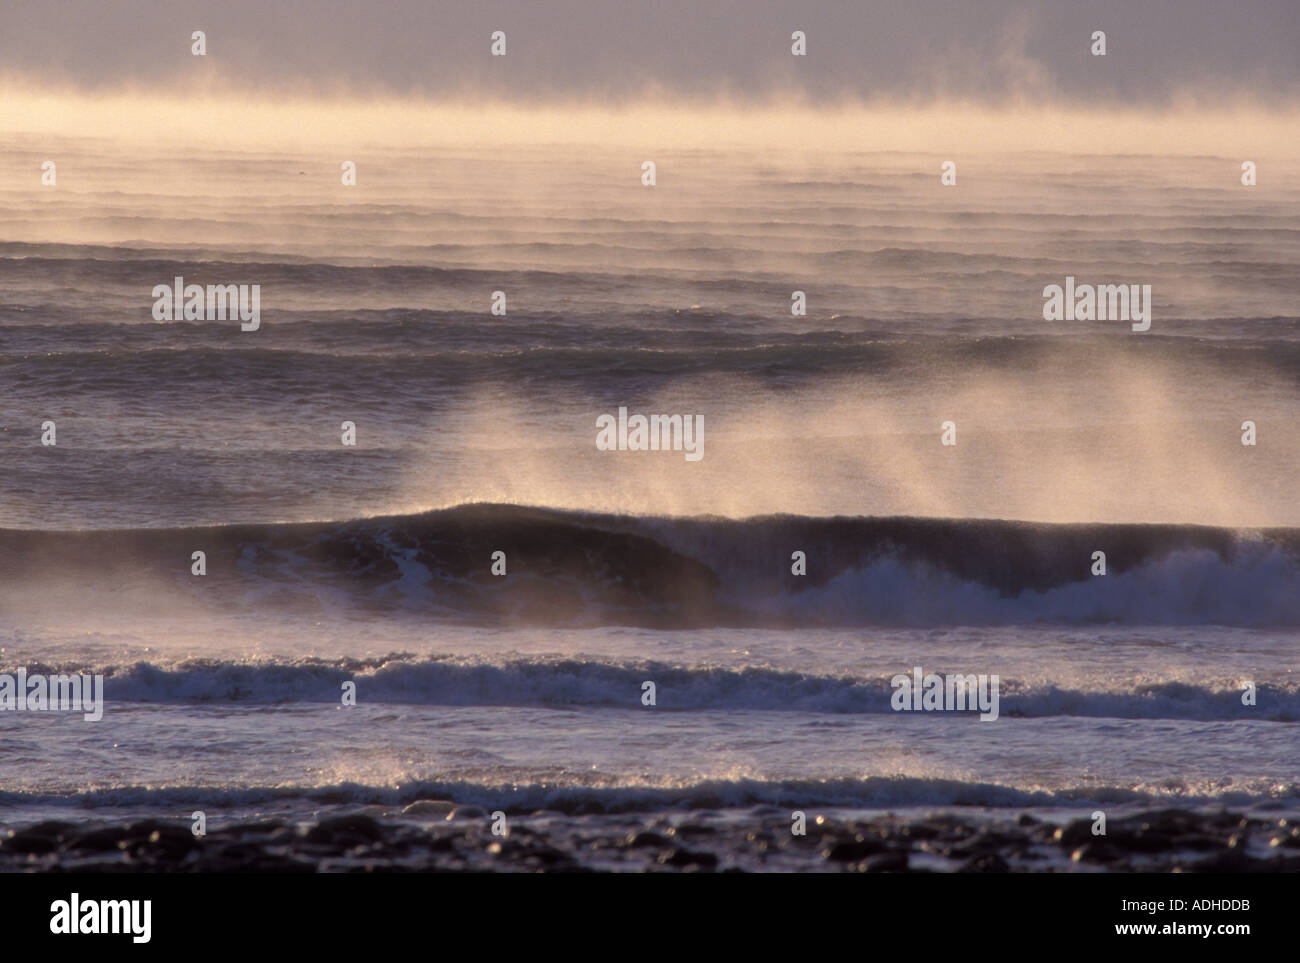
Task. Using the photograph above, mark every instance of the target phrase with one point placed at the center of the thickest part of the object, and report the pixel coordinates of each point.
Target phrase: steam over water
(924, 306)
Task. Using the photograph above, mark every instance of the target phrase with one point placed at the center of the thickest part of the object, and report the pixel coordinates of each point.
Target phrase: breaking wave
(581, 569)
(572, 682)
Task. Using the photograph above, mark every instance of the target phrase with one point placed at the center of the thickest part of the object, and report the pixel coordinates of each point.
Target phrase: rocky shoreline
(439, 836)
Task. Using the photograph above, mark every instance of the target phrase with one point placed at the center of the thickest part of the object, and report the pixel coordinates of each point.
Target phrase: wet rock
(984, 842)
(1287, 836)
(853, 850)
(1200, 844)
(684, 858)
(167, 843)
(985, 863)
(693, 831)
(924, 831)
(1155, 831)
(1162, 841)
(99, 840)
(429, 807)
(439, 844)
(1232, 861)
(262, 827)
(894, 862)
(346, 830)
(468, 812)
(646, 839)
(1075, 833)
(1097, 852)
(42, 838)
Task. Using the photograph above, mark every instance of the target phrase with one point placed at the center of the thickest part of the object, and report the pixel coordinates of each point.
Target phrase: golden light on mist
(243, 123)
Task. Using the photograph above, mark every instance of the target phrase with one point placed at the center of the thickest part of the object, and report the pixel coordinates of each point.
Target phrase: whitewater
(1169, 680)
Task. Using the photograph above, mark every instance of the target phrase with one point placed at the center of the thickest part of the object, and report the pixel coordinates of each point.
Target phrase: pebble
(1161, 841)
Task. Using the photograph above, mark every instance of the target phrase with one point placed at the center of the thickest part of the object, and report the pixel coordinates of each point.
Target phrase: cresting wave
(580, 569)
(570, 682)
(875, 792)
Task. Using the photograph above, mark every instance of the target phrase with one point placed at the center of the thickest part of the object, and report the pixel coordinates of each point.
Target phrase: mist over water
(924, 306)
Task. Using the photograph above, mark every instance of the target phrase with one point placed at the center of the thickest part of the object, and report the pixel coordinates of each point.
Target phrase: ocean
(371, 564)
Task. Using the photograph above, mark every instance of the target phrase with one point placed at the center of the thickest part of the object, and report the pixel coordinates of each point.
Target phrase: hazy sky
(604, 50)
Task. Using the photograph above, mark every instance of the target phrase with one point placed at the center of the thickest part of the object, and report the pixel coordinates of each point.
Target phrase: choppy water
(524, 690)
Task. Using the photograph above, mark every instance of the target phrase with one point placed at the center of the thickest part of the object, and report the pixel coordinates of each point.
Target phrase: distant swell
(582, 569)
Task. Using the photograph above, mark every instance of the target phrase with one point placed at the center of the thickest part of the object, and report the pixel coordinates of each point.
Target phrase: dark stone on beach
(528, 852)
(430, 808)
(684, 857)
(1024, 819)
(1075, 833)
(467, 812)
(1143, 841)
(51, 827)
(1163, 823)
(146, 828)
(239, 860)
(924, 831)
(549, 856)
(985, 863)
(262, 827)
(1200, 844)
(346, 830)
(1146, 833)
(1097, 851)
(1172, 822)
(1287, 836)
(238, 854)
(1139, 839)
(42, 838)
(1043, 833)
(1233, 861)
(99, 840)
(642, 839)
(30, 844)
(895, 862)
(983, 842)
(693, 831)
(170, 843)
(853, 850)
(439, 844)
(1162, 841)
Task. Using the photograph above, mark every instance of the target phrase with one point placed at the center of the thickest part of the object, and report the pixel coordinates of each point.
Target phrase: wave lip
(569, 568)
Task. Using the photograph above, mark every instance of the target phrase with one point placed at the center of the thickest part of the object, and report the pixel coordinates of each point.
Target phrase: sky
(1159, 52)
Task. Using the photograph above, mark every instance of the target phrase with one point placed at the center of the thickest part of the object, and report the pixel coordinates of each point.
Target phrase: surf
(572, 568)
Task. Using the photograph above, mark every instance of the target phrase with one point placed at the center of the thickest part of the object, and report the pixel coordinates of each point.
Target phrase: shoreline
(441, 836)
